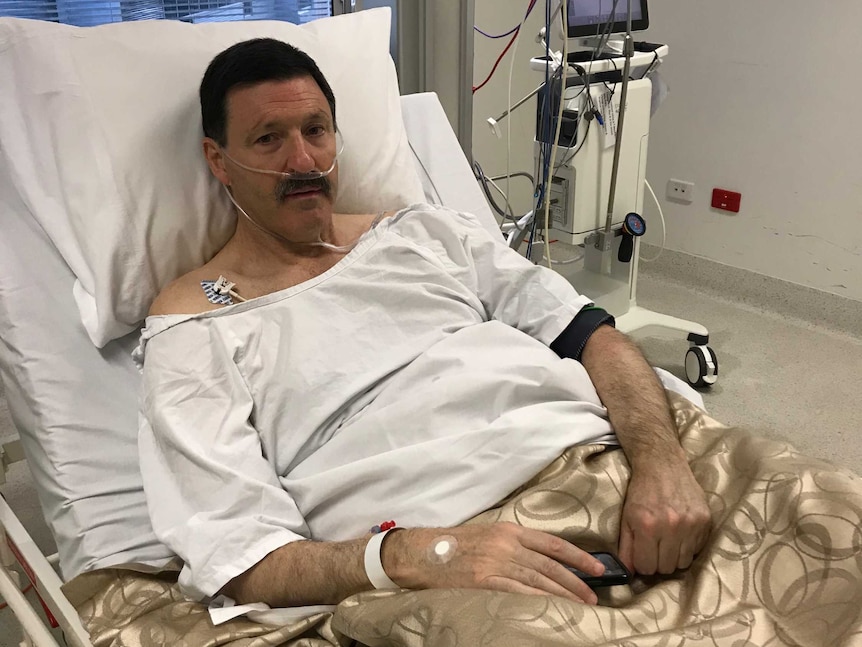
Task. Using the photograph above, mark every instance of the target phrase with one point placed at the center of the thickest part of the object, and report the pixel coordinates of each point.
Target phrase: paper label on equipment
(609, 113)
(558, 215)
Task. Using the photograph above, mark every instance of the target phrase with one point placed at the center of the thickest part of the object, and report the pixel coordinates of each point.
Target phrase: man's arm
(302, 573)
(666, 520)
(500, 556)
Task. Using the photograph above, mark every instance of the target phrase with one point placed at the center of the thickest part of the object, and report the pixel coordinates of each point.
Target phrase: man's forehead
(300, 94)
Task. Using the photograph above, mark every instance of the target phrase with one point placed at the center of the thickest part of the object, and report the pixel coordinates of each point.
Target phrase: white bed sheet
(75, 406)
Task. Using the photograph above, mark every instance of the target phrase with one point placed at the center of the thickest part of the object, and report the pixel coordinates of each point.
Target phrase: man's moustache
(287, 187)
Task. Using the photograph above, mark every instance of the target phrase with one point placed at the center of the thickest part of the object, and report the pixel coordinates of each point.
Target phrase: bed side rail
(16, 546)
(9, 453)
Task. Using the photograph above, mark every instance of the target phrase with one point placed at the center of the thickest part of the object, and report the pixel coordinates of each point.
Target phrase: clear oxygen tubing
(293, 177)
(311, 175)
(342, 249)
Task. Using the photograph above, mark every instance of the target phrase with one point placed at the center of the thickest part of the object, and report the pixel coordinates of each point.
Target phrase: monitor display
(591, 17)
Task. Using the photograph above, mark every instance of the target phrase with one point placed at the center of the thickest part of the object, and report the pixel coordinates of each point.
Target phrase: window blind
(96, 12)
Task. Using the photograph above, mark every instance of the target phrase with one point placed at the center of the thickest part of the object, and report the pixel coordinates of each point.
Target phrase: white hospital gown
(412, 381)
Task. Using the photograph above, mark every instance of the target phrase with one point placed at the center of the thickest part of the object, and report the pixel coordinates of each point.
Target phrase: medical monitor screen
(591, 17)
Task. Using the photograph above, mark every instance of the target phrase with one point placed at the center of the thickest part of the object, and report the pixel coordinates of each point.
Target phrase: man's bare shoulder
(354, 225)
(185, 295)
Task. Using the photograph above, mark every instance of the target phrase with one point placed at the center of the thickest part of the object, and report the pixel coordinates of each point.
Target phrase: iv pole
(604, 239)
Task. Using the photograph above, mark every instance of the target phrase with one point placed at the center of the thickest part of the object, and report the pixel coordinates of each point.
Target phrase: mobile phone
(615, 572)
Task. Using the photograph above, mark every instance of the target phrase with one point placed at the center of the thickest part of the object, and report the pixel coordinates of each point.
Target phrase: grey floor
(782, 376)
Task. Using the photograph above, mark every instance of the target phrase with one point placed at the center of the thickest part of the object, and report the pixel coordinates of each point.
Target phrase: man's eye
(266, 139)
(316, 131)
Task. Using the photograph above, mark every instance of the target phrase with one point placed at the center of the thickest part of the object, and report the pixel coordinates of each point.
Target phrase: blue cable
(486, 35)
(512, 30)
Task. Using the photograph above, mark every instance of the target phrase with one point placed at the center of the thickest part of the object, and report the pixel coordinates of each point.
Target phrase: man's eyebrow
(321, 114)
(274, 123)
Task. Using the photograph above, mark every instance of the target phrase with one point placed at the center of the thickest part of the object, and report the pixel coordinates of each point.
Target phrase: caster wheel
(701, 366)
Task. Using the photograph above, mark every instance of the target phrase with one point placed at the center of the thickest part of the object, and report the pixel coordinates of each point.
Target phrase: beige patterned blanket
(783, 567)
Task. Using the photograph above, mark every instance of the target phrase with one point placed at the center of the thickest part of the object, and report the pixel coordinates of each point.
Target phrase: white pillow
(102, 134)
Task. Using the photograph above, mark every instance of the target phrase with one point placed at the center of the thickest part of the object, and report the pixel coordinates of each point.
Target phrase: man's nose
(299, 157)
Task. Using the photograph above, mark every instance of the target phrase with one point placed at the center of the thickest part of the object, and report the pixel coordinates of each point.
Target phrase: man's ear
(215, 160)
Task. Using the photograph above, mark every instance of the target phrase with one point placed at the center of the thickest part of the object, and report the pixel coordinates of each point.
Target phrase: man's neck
(254, 252)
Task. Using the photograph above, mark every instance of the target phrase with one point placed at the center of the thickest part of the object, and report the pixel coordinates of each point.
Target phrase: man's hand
(665, 521)
(498, 557)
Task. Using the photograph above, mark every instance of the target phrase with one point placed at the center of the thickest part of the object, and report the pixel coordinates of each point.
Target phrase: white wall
(765, 100)
(444, 53)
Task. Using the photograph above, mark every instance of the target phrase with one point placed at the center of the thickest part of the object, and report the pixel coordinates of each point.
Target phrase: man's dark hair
(248, 63)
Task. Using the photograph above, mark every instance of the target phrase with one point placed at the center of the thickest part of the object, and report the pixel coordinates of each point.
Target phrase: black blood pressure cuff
(573, 339)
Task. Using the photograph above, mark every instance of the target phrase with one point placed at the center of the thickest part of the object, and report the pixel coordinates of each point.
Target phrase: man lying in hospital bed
(781, 565)
(368, 367)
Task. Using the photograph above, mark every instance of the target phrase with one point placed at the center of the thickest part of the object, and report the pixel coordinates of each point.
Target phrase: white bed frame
(21, 559)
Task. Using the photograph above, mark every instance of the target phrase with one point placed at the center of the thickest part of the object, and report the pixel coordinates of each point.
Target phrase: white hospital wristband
(374, 565)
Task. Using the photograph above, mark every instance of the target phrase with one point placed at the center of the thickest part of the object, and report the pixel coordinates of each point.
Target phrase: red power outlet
(727, 200)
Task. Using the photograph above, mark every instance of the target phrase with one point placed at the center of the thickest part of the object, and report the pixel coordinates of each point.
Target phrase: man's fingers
(661, 549)
(691, 547)
(625, 551)
(645, 544)
(669, 552)
(703, 536)
(507, 585)
(541, 563)
(534, 579)
(646, 555)
(686, 555)
(562, 551)
(555, 572)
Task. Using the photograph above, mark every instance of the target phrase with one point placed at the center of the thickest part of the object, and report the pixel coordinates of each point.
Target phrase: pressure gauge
(634, 225)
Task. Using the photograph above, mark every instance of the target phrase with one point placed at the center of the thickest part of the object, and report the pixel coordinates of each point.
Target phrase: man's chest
(251, 287)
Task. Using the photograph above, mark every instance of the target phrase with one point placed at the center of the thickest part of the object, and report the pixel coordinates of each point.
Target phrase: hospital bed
(75, 406)
(50, 372)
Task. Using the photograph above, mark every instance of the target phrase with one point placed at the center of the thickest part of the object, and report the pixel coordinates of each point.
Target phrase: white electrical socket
(680, 191)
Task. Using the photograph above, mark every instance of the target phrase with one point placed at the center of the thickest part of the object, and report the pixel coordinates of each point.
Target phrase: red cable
(499, 58)
(476, 88)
